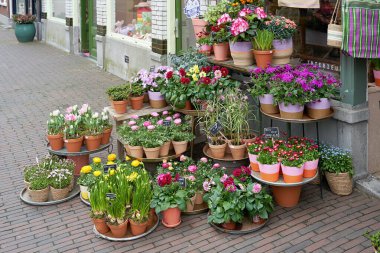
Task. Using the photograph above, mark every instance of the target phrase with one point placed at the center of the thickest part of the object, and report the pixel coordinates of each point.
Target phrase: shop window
(3, 2)
(58, 9)
(133, 18)
(20, 7)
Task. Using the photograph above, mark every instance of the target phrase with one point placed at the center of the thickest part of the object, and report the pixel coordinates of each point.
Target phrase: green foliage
(188, 59)
(281, 27)
(260, 204)
(205, 41)
(263, 40)
(141, 198)
(137, 90)
(182, 136)
(336, 160)
(213, 13)
(376, 63)
(98, 199)
(56, 123)
(39, 183)
(375, 239)
(119, 93)
(168, 196)
(220, 35)
(151, 139)
(24, 19)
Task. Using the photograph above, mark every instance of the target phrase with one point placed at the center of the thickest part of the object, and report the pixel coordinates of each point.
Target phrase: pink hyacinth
(204, 160)
(176, 115)
(206, 186)
(191, 178)
(134, 128)
(182, 158)
(168, 118)
(192, 168)
(69, 109)
(151, 127)
(155, 114)
(224, 19)
(238, 26)
(223, 178)
(147, 123)
(256, 188)
(165, 113)
(260, 13)
(70, 117)
(134, 117)
(131, 123)
(177, 121)
(244, 12)
(216, 166)
(160, 122)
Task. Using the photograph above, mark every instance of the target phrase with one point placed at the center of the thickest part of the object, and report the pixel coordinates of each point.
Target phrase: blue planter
(25, 32)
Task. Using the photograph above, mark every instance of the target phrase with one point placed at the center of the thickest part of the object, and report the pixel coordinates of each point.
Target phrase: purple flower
(192, 168)
(287, 77)
(168, 118)
(270, 70)
(223, 178)
(256, 188)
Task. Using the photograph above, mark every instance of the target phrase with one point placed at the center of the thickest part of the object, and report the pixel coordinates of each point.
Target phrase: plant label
(216, 128)
(111, 195)
(151, 69)
(271, 132)
(109, 166)
(182, 182)
(166, 123)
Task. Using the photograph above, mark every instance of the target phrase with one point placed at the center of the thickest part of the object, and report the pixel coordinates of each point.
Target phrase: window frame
(50, 13)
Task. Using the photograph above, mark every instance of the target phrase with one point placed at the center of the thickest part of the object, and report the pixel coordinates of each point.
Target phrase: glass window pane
(58, 9)
(20, 7)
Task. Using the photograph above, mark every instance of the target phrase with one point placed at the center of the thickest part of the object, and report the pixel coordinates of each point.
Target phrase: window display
(58, 9)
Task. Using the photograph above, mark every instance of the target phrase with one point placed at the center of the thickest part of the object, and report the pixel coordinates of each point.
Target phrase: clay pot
(269, 172)
(282, 50)
(253, 162)
(180, 146)
(152, 218)
(120, 230)
(137, 103)
(188, 105)
(221, 51)
(136, 151)
(74, 145)
(39, 195)
(164, 150)
(319, 109)
(106, 136)
(205, 49)
(267, 104)
(190, 204)
(229, 225)
(138, 228)
(310, 168)
(84, 192)
(80, 161)
(263, 58)
(101, 225)
(146, 97)
(55, 141)
(120, 107)
(199, 198)
(257, 220)
(152, 153)
(292, 174)
(291, 111)
(199, 25)
(58, 194)
(156, 100)
(238, 151)
(241, 52)
(287, 196)
(171, 217)
(376, 74)
(93, 142)
(218, 151)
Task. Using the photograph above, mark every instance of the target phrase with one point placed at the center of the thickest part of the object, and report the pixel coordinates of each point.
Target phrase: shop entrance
(185, 37)
(88, 27)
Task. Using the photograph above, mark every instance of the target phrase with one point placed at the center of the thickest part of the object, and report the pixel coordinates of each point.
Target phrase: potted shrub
(73, 137)
(151, 142)
(205, 45)
(258, 203)
(336, 164)
(169, 198)
(93, 132)
(268, 160)
(86, 180)
(375, 240)
(137, 96)
(181, 140)
(60, 180)
(55, 125)
(253, 150)
(119, 96)
(106, 125)
(39, 188)
(24, 29)
(376, 71)
(178, 89)
(99, 203)
(283, 30)
(262, 48)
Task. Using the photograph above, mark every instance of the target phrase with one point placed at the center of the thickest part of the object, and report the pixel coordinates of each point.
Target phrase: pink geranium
(147, 123)
(244, 12)
(192, 168)
(256, 188)
(239, 26)
(260, 13)
(224, 19)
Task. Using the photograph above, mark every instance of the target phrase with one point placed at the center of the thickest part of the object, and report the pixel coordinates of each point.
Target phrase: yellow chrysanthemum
(86, 169)
(133, 176)
(97, 160)
(127, 158)
(195, 77)
(111, 157)
(97, 173)
(112, 172)
(135, 163)
(202, 74)
(109, 163)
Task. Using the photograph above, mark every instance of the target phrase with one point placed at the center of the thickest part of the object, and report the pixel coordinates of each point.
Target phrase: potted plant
(292, 163)
(262, 48)
(205, 45)
(375, 240)
(199, 25)
(99, 203)
(253, 150)
(336, 164)
(106, 125)
(283, 30)
(181, 140)
(55, 125)
(117, 220)
(258, 203)
(310, 154)
(268, 160)
(376, 70)
(60, 180)
(29, 173)
(219, 38)
(169, 198)
(94, 132)
(187, 59)
(119, 96)
(137, 96)
(86, 180)
(24, 29)
(178, 89)
(131, 133)
(73, 137)
(39, 188)
(151, 142)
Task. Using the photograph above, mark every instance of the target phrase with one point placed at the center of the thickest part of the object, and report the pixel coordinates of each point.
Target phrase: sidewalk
(36, 79)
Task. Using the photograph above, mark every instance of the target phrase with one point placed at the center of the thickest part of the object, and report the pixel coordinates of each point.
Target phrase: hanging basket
(334, 30)
(340, 183)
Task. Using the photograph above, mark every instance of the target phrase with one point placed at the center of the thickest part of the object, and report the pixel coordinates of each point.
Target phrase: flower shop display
(253, 150)
(283, 30)
(262, 48)
(55, 126)
(24, 29)
(119, 96)
(219, 38)
(188, 59)
(336, 164)
(137, 96)
(376, 71)
(268, 160)
(88, 176)
(375, 240)
(200, 26)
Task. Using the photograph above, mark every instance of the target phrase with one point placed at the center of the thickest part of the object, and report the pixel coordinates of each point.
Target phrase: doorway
(88, 27)
(185, 37)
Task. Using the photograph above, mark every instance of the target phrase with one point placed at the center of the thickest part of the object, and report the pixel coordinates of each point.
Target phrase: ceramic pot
(164, 150)
(138, 228)
(199, 25)
(310, 168)
(267, 104)
(218, 151)
(221, 51)
(120, 107)
(25, 32)
(39, 195)
(101, 225)
(291, 111)
(137, 103)
(93, 142)
(74, 145)
(205, 49)
(106, 136)
(58, 194)
(156, 99)
(286, 196)
(180, 146)
(136, 151)
(263, 58)
(55, 141)
(229, 225)
(269, 172)
(282, 50)
(292, 174)
(171, 217)
(84, 192)
(319, 109)
(152, 153)
(199, 197)
(376, 74)
(190, 204)
(253, 162)
(241, 53)
(120, 230)
(238, 151)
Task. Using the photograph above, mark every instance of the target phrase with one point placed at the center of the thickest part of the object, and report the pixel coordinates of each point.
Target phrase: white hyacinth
(95, 115)
(56, 113)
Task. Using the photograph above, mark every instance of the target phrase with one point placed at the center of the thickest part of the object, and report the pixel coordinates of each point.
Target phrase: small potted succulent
(55, 125)
(137, 96)
(119, 96)
(93, 132)
(60, 180)
(262, 48)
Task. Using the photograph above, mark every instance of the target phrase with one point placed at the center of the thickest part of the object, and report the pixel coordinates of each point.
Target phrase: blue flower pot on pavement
(25, 32)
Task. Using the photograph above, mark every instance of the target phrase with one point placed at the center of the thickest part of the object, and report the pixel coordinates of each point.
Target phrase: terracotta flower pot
(205, 49)
(164, 150)
(253, 162)
(137, 103)
(269, 172)
(376, 74)
(199, 25)
(84, 192)
(319, 109)
(106, 136)
(188, 105)
(310, 168)
(171, 217)
(218, 151)
(120, 230)
(74, 145)
(58, 194)
(267, 104)
(39, 195)
(180, 146)
(263, 58)
(156, 100)
(241, 53)
(120, 107)
(80, 161)
(55, 141)
(136, 151)
(291, 111)
(238, 151)
(152, 153)
(138, 228)
(101, 225)
(229, 225)
(221, 51)
(93, 142)
(257, 220)
(287, 196)
(199, 198)
(190, 204)
(282, 50)
(292, 174)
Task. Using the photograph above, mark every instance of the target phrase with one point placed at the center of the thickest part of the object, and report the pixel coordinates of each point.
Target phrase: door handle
(176, 29)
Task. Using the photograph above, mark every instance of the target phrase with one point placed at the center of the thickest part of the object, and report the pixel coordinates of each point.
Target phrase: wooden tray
(246, 227)
(227, 157)
(24, 196)
(202, 208)
(305, 119)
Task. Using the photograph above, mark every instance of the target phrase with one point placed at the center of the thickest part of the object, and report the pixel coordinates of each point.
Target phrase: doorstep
(370, 185)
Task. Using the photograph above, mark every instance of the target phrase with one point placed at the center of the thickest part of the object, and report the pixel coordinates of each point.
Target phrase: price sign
(182, 182)
(109, 166)
(216, 128)
(111, 195)
(271, 132)
(166, 123)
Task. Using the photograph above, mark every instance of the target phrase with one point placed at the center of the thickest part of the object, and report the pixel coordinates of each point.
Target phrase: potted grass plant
(262, 48)
(55, 126)
(119, 96)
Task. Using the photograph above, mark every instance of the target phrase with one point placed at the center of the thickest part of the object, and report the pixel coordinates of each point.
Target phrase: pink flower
(244, 12)
(192, 168)
(70, 117)
(134, 128)
(131, 123)
(218, 74)
(134, 117)
(151, 127)
(147, 123)
(224, 19)
(176, 115)
(256, 188)
(238, 26)
(216, 166)
(160, 122)
(177, 121)
(69, 109)
(155, 114)
(191, 178)
(206, 186)
(204, 160)
(182, 158)
(168, 118)
(83, 109)
(223, 178)
(165, 165)
(165, 113)
(260, 13)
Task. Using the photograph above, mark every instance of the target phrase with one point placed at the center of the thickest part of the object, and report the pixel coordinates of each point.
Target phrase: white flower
(56, 113)
(105, 117)
(95, 115)
(51, 114)
(75, 107)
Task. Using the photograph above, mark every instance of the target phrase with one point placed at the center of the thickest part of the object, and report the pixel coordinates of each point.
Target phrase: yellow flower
(202, 74)
(86, 169)
(171, 168)
(111, 157)
(97, 173)
(112, 172)
(135, 163)
(97, 160)
(127, 158)
(191, 70)
(109, 162)
(84, 195)
(196, 69)
(106, 178)
(133, 176)
(195, 78)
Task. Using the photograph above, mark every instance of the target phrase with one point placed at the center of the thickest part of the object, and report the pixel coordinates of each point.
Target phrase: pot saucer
(170, 226)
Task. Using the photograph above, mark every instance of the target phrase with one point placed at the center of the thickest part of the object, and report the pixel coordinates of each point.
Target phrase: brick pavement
(35, 79)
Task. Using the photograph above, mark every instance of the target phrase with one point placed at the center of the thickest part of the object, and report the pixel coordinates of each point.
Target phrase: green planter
(25, 32)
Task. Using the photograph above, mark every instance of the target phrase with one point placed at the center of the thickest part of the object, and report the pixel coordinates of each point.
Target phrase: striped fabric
(361, 28)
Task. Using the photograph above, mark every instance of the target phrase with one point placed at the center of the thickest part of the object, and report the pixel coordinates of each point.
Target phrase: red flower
(164, 179)
(237, 172)
(224, 72)
(185, 80)
(182, 72)
(229, 181)
(215, 28)
(176, 177)
(169, 74)
(206, 80)
(206, 69)
(215, 68)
